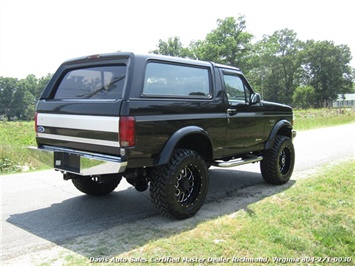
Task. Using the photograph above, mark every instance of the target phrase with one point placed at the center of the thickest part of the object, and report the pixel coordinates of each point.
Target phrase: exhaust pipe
(139, 182)
(141, 185)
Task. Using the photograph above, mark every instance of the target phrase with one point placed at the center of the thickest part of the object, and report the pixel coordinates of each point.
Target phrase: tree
(304, 97)
(326, 68)
(278, 64)
(18, 97)
(7, 89)
(23, 104)
(29, 84)
(41, 84)
(229, 43)
(172, 47)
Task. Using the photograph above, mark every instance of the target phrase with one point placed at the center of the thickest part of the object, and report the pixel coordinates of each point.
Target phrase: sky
(36, 36)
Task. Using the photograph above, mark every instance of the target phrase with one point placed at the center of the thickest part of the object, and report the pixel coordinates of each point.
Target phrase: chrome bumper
(78, 162)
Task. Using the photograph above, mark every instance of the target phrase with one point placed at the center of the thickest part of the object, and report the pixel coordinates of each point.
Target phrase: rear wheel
(179, 188)
(96, 185)
(277, 165)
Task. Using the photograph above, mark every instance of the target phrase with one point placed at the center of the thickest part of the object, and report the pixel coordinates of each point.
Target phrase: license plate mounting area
(67, 162)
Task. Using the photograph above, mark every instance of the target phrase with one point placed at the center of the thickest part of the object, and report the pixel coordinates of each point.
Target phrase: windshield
(104, 82)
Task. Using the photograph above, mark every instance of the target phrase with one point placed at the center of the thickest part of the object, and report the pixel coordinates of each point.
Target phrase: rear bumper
(78, 162)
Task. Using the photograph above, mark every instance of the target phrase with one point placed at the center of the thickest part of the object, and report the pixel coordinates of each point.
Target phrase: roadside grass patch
(14, 138)
(314, 218)
(306, 119)
(311, 222)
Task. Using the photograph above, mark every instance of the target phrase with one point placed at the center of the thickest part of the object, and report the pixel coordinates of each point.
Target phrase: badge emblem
(40, 129)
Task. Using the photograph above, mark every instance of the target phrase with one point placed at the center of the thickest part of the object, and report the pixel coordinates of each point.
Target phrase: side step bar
(237, 162)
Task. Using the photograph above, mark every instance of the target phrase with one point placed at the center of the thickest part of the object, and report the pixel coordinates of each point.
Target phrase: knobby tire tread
(89, 187)
(162, 179)
(268, 165)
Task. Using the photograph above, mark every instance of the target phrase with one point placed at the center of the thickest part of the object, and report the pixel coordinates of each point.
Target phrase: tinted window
(176, 81)
(236, 89)
(104, 82)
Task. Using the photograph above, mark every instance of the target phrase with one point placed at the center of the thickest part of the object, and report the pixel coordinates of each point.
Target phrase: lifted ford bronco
(161, 121)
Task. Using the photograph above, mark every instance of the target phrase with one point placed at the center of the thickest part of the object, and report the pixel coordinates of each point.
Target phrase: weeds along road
(41, 212)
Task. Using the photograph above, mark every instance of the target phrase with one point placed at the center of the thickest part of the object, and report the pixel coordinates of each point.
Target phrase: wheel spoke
(284, 161)
(184, 185)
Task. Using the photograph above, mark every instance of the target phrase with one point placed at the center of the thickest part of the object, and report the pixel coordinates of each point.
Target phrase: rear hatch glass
(95, 83)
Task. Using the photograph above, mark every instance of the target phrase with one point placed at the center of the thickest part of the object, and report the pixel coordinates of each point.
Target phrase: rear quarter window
(168, 80)
(103, 82)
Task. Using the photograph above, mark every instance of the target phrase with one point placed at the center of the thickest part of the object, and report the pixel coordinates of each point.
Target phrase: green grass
(317, 118)
(315, 218)
(14, 138)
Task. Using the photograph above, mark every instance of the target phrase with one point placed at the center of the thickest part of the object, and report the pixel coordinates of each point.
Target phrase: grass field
(310, 223)
(316, 118)
(16, 136)
(314, 219)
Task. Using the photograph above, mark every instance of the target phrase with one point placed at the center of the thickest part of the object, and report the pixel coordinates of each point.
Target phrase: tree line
(18, 97)
(279, 66)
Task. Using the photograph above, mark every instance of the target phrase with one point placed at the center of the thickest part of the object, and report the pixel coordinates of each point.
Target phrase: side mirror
(255, 98)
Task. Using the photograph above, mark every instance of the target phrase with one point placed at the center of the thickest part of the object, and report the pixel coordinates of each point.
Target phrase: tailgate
(80, 107)
(82, 132)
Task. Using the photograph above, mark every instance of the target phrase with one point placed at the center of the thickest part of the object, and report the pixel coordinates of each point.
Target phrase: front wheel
(277, 165)
(179, 188)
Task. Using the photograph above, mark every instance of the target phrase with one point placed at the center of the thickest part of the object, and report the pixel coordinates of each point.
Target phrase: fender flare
(165, 154)
(282, 123)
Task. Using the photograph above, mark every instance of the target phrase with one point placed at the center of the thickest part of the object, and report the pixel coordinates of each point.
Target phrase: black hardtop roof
(144, 57)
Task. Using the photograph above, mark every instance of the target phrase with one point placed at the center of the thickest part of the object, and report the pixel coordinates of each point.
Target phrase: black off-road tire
(94, 186)
(179, 188)
(278, 162)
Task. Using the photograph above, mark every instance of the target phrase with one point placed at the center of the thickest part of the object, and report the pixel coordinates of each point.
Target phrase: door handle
(231, 110)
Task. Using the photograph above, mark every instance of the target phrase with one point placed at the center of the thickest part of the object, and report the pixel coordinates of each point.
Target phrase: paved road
(40, 210)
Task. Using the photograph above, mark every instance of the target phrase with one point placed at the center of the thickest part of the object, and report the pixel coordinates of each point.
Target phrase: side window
(167, 80)
(236, 90)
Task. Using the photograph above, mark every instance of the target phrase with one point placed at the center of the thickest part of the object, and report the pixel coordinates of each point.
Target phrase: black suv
(158, 121)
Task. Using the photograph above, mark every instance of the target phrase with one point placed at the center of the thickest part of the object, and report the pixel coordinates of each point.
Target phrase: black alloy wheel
(278, 162)
(179, 188)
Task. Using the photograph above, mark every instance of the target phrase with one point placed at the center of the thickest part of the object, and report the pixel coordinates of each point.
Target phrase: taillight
(127, 131)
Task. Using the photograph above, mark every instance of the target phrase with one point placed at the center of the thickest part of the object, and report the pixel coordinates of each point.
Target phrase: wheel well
(282, 128)
(197, 142)
(285, 131)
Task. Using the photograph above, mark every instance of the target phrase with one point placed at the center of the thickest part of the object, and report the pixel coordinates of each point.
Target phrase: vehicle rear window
(103, 82)
(170, 80)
